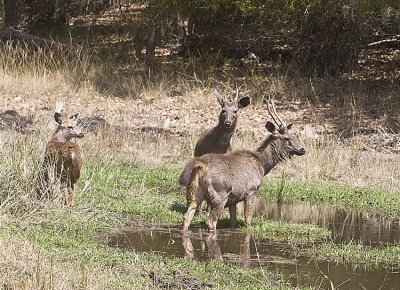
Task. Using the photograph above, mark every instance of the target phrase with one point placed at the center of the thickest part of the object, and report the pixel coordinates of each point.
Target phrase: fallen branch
(395, 38)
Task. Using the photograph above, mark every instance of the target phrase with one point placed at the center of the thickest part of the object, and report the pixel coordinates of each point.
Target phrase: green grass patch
(281, 231)
(119, 192)
(70, 244)
(121, 179)
(366, 199)
(356, 254)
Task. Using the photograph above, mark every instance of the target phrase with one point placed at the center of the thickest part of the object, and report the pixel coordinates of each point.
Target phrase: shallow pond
(239, 248)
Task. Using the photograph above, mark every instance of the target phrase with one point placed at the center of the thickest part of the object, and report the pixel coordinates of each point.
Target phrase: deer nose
(228, 124)
(302, 151)
(81, 135)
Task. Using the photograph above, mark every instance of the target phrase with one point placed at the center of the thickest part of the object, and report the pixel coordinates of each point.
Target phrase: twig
(394, 39)
(327, 278)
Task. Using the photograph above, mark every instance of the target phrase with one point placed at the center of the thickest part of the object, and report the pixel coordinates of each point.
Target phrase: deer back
(234, 169)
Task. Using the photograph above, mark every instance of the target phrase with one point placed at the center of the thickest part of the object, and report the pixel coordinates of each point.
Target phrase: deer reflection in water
(209, 242)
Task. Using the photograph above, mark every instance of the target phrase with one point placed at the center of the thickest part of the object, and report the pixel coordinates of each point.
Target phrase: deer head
(288, 144)
(229, 109)
(67, 129)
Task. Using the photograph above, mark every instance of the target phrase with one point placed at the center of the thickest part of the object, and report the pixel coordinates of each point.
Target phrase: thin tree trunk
(151, 43)
(10, 13)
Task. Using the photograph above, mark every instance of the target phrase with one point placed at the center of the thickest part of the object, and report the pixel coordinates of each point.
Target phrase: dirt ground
(181, 116)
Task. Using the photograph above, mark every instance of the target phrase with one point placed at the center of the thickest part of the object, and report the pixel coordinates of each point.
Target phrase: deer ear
(244, 102)
(74, 117)
(289, 126)
(58, 118)
(270, 127)
(220, 98)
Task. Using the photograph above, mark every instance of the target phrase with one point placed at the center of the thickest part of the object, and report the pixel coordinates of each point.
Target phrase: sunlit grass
(320, 192)
(356, 254)
(288, 232)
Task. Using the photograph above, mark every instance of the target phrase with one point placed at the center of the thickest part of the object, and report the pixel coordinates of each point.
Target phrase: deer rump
(68, 160)
(228, 178)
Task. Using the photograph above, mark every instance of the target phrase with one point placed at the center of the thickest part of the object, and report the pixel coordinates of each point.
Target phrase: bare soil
(192, 112)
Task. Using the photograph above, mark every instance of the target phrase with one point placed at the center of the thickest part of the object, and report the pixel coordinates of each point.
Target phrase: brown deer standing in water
(64, 155)
(218, 139)
(223, 180)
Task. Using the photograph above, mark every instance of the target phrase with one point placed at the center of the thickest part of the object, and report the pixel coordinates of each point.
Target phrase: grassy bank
(58, 241)
(52, 246)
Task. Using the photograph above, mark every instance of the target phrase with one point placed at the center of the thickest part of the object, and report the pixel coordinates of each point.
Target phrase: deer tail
(184, 178)
(193, 185)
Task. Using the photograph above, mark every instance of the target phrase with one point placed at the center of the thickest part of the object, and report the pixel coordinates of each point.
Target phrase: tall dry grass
(71, 73)
(327, 160)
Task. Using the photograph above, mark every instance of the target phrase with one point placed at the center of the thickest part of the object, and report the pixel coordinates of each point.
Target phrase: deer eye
(70, 127)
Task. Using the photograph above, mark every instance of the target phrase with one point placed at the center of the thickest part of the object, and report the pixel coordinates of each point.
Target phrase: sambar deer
(218, 139)
(223, 180)
(63, 155)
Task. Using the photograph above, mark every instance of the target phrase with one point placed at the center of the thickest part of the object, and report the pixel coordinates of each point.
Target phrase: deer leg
(248, 208)
(199, 208)
(191, 210)
(215, 214)
(188, 246)
(200, 205)
(70, 195)
(233, 216)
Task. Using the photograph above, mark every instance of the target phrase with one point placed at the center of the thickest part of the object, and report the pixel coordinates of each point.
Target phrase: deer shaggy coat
(226, 179)
(64, 156)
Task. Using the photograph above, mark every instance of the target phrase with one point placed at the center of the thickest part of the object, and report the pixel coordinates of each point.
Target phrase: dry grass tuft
(333, 160)
(24, 266)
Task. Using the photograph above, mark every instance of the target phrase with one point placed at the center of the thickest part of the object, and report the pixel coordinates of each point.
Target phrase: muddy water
(236, 247)
(345, 225)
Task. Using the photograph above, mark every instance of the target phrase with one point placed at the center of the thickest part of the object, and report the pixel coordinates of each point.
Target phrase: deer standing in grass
(223, 180)
(64, 155)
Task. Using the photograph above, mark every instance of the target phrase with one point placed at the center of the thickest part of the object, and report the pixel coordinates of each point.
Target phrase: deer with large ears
(223, 180)
(218, 139)
(63, 155)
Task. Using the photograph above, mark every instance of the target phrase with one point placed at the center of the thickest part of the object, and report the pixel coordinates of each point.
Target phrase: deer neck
(270, 155)
(59, 136)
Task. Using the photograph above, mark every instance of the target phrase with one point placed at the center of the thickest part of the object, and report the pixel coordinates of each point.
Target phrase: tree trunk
(151, 43)
(10, 13)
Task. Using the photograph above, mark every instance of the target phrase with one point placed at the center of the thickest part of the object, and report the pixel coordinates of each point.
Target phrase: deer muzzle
(228, 124)
(301, 151)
